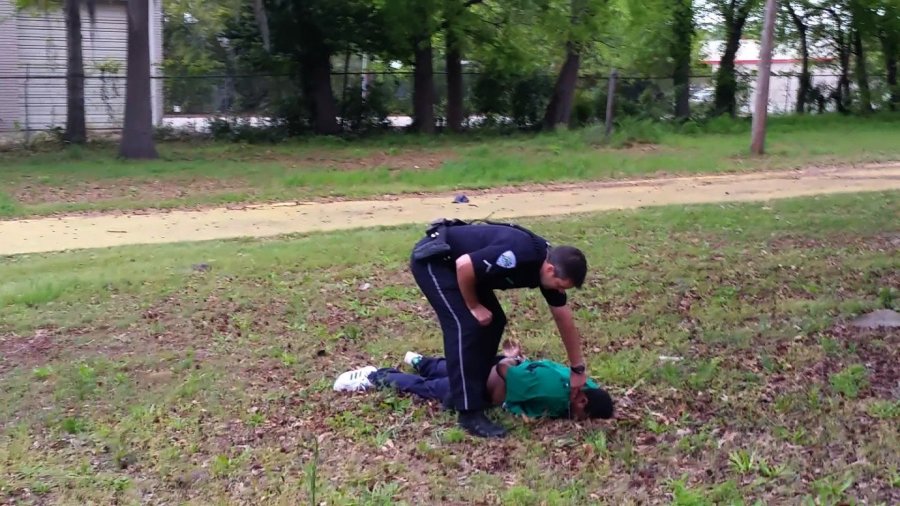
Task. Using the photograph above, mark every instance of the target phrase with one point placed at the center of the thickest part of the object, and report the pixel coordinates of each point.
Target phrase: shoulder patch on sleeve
(507, 259)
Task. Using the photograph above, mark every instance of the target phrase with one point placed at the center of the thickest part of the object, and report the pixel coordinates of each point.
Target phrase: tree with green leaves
(861, 25)
(195, 48)
(835, 30)
(799, 13)
(300, 39)
(887, 29)
(735, 14)
(409, 27)
(458, 22)
(580, 22)
(682, 43)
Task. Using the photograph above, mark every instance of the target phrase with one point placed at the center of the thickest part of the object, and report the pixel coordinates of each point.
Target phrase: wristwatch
(578, 369)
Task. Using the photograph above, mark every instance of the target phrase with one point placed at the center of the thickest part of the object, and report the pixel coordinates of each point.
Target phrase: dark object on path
(461, 199)
(883, 318)
(201, 267)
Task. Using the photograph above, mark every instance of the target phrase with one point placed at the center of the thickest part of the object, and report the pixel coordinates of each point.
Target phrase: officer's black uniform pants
(470, 349)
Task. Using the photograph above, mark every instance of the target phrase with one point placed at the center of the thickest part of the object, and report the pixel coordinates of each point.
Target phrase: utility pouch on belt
(435, 242)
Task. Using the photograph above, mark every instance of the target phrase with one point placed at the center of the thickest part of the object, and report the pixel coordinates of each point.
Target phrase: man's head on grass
(564, 268)
(592, 403)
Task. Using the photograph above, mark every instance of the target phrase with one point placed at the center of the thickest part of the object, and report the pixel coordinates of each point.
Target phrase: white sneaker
(412, 358)
(355, 380)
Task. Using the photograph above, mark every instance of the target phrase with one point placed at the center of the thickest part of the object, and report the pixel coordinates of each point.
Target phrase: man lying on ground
(534, 388)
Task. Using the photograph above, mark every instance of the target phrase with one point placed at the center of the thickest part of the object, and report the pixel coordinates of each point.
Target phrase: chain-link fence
(31, 102)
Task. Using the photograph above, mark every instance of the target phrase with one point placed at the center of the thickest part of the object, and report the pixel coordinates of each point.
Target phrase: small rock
(126, 461)
(201, 267)
(461, 199)
(365, 286)
(883, 318)
(186, 480)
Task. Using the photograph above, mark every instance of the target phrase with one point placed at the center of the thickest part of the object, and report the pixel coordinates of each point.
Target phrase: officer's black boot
(478, 424)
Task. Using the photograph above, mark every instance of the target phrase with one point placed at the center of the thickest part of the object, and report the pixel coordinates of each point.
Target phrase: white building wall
(40, 47)
(782, 87)
(10, 87)
(156, 58)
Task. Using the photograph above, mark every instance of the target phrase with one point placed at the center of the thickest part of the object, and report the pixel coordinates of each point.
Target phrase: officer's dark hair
(569, 263)
(599, 405)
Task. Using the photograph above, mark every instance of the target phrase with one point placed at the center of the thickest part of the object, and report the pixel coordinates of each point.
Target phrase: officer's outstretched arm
(565, 322)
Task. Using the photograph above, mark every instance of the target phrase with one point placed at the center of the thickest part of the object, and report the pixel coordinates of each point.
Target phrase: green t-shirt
(539, 388)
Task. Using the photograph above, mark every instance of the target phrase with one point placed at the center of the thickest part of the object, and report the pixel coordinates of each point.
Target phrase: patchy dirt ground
(74, 232)
(34, 192)
(150, 190)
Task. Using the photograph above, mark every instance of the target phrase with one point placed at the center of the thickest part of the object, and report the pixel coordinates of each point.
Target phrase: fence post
(27, 122)
(611, 102)
(344, 90)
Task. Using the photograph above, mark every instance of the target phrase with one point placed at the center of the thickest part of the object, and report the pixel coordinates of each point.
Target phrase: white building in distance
(786, 66)
(33, 67)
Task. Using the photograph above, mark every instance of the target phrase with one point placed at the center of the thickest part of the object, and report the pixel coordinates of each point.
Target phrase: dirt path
(75, 232)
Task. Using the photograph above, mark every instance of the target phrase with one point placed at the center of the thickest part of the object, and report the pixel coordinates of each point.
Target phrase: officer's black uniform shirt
(503, 257)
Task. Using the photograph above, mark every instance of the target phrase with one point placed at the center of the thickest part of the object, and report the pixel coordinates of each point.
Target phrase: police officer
(458, 265)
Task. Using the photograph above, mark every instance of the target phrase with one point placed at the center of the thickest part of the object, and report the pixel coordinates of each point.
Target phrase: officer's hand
(512, 349)
(482, 314)
(576, 382)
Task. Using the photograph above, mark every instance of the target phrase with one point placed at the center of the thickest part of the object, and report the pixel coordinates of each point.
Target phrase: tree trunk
(889, 48)
(862, 74)
(842, 93)
(454, 83)
(316, 68)
(262, 22)
(735, 14)
(890, 43)
(890, 61)
(423, 88)
(137, 133)
(559, 110)
(846, 99)
(681, 54)
(804, 91)
(726, 78)
(76, 131)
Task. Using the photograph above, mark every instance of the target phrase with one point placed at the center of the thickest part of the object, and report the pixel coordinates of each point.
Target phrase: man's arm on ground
(565, 322)
(497, 380)
(504, 366)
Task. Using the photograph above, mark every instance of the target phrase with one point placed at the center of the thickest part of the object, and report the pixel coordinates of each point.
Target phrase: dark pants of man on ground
(470, 349)
(431, 382)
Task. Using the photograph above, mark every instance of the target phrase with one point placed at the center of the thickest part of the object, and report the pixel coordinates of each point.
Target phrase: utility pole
(757, 144)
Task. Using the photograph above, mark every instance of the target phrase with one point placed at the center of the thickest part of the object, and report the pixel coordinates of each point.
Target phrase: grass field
(202, 173)
(129, 376)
